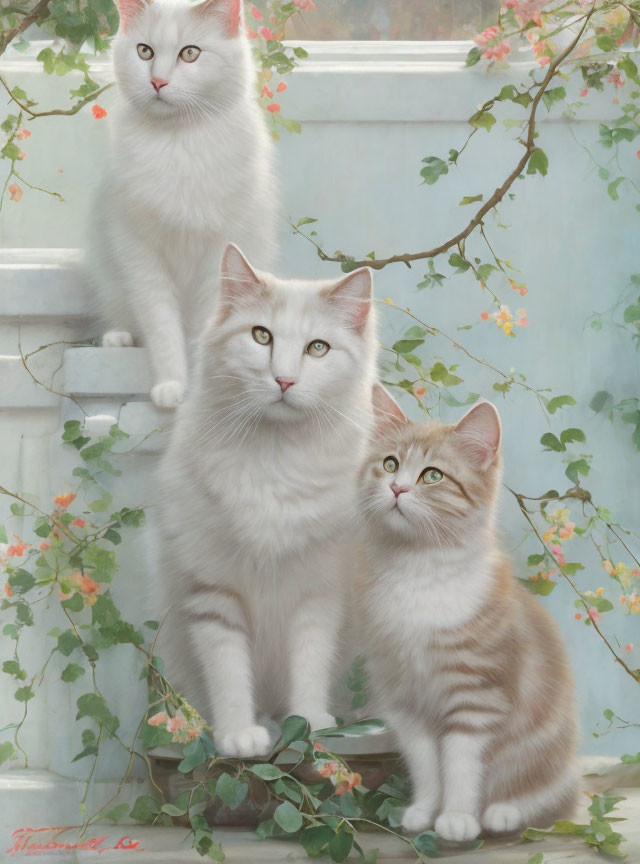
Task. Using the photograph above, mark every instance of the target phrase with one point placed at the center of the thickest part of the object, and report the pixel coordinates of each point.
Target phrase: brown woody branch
(30, 18)
(530, 147)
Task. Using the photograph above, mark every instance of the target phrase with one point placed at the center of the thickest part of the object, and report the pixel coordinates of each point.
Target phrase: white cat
(190, 170)
(258, 493)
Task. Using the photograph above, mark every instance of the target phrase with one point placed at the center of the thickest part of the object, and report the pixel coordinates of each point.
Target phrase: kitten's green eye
(190, 53)
(390, 464)
(317, 348)
(262, 335)
(145, 52)
(431, 476)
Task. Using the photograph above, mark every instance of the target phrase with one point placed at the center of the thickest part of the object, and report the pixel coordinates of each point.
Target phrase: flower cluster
(332, 769)
(505, 320)
(494, 47)
(84, 585)
(561, 530)
(629, 580)
(183, 728)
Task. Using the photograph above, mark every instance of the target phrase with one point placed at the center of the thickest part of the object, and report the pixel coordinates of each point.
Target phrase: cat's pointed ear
(352, 296)
(228, 13)
(479, 432)
(239, 284)
(128, 10)
(388, 415)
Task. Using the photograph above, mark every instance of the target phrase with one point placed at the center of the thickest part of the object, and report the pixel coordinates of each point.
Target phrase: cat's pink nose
(398, 490)
(158, 83)
(285, 383)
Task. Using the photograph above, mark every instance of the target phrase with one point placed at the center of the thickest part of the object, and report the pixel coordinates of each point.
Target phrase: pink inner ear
(128, 9)
(388, 414)
(353, 296)
(238, 281)
(229, 12)
(479, 432)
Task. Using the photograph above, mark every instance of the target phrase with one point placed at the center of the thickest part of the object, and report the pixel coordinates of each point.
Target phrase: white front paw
(417, 818)
(250, 741)
(167, 394)
(457, 826)
(117, 339)
(502, 818)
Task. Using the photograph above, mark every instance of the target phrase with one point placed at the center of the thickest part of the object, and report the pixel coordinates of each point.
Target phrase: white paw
(117, 339)
(502, 818)
(457, 826)
(250, 741)
(167, 394)
(417, 818)
(320, 720)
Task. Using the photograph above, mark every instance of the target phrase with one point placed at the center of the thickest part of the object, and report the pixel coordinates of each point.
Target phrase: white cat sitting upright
(189, 171)
(257, 499)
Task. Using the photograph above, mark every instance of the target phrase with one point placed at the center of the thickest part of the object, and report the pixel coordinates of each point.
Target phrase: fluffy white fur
(190, 170)
(258, 491)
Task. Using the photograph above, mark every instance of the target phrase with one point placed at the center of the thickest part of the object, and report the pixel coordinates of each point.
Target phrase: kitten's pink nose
(158, 83)
(398, 490)
(285, 383)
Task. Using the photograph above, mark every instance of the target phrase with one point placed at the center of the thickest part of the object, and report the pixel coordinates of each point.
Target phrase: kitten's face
(175, 58)
(428, 483)
(288, 350)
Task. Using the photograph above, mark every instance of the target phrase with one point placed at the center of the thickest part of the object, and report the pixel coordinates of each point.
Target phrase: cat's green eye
(317, 348)
(190, 53)
(390, 464)
(145, 52)
(262, 335)
(431, 476)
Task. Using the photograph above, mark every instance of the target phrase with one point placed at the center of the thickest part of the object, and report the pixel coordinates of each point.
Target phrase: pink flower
(266, 33)
(629, 647)
(348, 783)
(175, 724)
(251, 34)
(267, 92)
(305, 4)
(8, 590)
(578, 616)
(15, 192)
(255, 13)
(281, 87)
(157, 719)
(499, 52)
(44, 546)
(594, 614)
(487, 35)
(23, 134)
(327, 769)
(584, 92)
(79, 522)
(273, 108)
(558, 554)
(98, 112)
(566, 531)
(519, 286)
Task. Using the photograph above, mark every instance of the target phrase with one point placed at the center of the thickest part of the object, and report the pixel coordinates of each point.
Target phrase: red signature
(29, 841)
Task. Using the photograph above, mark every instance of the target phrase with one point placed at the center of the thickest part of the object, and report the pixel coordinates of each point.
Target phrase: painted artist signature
(34, 841)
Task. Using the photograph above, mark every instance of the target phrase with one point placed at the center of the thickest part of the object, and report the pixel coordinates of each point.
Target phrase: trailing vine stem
(476, 221)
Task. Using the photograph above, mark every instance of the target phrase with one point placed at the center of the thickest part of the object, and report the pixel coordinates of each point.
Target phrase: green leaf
(440, 374)
(231, 791)
(75, 603)
(315, 840)
(293, 728)
(405, 346)
(571, 568)
(580, 466)
(433, 170)
(540, 586)
(7, 752)
(94, 706)
(568, 436)
(602, 401)
(470, 199)
(353, 730)
(67, 642)
(457, 261)
(538, 163)
(473, 56)
(12, 667)
(428, 844)
(341, 843)
(266, 771)
(196, 752)
(555, 94)
(606, 43)
(112, 536)
(101, 561)
(485, 270)
(3, 535)
(117, 813)
(534, 560)
(72, 430)
(21, 581)
(550, 441)
(306, 220)
(632, 314)
(482, 120)
(23, 694)
(538, 858)
(72, 672)
(145, 809)
(288, 817)
(612, 188)
(300, 52)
